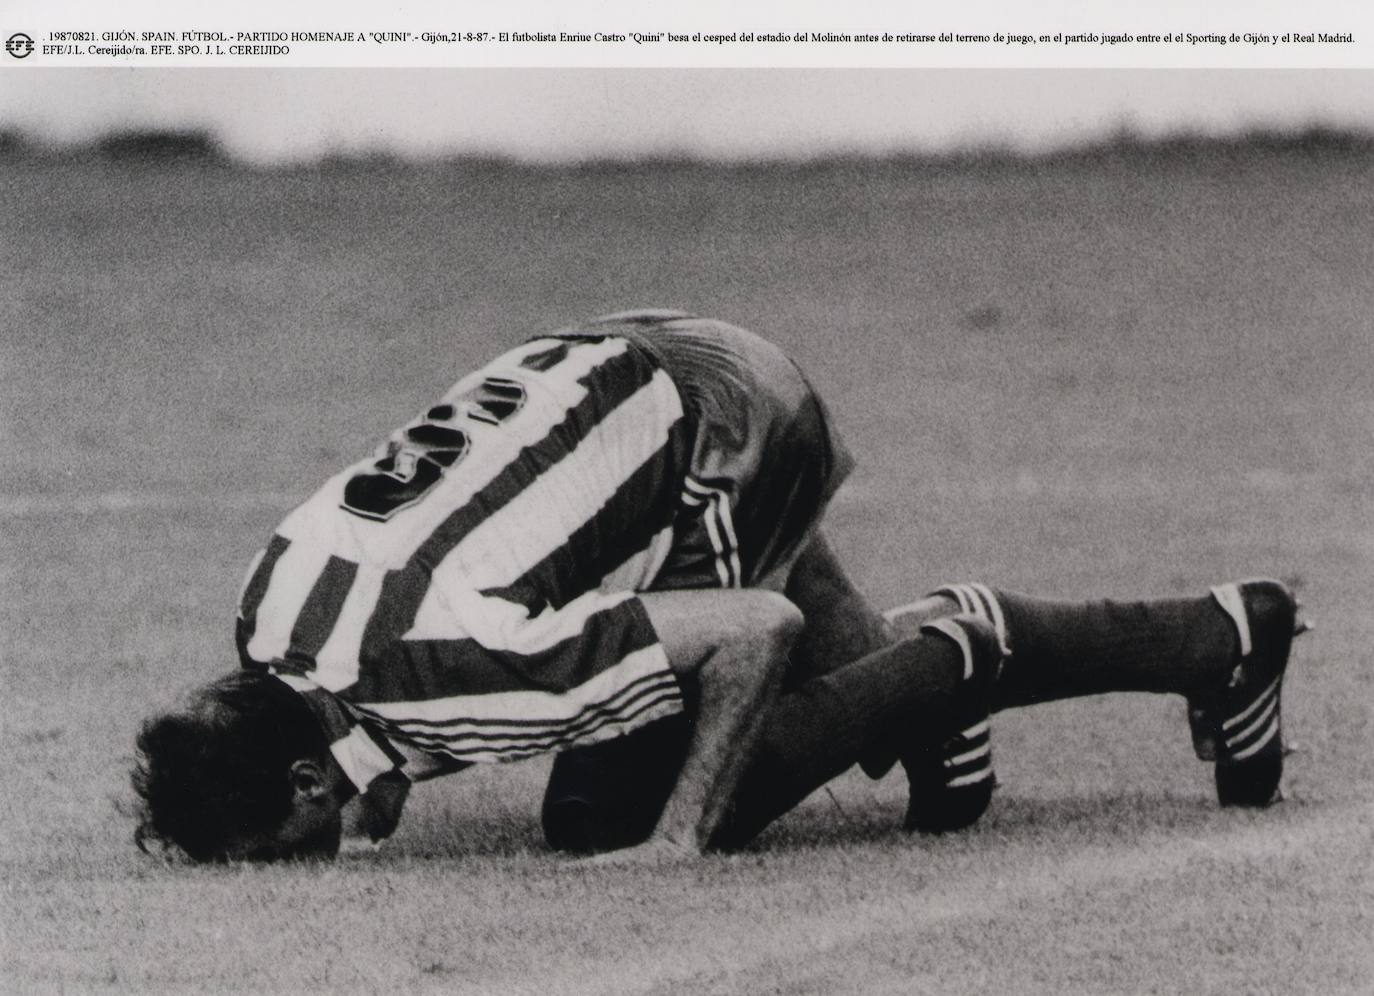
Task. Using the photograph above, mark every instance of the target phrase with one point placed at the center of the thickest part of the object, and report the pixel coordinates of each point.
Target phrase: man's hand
(654, 852)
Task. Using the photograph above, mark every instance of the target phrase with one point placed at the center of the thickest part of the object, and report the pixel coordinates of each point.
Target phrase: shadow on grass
(1124, 814)
(443, 833)
(1121, 817)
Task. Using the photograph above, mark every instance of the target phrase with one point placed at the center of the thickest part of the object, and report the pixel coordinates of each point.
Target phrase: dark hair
(217, 769)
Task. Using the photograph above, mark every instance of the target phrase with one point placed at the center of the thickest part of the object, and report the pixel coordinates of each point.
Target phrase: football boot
(950, 769)
(1239, 725)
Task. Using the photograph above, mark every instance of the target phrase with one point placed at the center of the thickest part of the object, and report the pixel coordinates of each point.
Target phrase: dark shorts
(765, 460)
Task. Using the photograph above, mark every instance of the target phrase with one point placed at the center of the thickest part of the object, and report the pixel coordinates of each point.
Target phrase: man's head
(241, 770)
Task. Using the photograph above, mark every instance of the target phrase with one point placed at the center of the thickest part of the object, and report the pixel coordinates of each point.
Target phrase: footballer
(606, 543)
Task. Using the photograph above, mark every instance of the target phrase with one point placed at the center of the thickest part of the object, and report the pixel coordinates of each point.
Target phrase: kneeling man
(606, 543)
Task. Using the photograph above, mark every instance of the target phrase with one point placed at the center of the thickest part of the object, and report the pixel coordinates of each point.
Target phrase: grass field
(1121, 374)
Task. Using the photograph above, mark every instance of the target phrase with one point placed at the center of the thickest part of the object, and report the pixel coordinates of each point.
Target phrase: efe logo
(19, 45)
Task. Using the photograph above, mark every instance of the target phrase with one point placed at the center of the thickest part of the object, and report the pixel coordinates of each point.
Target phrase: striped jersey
(466, 593)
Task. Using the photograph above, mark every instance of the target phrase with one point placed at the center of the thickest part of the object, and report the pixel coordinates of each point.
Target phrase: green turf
(1128, 376)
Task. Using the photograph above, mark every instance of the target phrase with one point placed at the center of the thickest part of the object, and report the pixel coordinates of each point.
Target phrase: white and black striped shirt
(467, 594)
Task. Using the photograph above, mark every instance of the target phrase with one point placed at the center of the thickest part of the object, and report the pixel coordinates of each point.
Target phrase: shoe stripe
(967, 756)
(1254, 706)
(1228, 596)
(1270, 732)
(1260, 720)
(952, 630)
(967, 741)
(977, 729)
(983, 774)
(999, 622)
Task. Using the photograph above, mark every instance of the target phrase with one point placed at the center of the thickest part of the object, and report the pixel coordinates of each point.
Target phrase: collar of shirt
(372, 764)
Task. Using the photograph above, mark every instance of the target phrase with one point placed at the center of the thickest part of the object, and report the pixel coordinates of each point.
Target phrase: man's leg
(728, 649)
(851, 689)
(930, 694)
(841, 624)
(1067, 649)
(1226, 652)
(1059, 649)
(609, 795)
(919, 694)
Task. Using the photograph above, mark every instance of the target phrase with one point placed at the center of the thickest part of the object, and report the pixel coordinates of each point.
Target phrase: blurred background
(561, 115)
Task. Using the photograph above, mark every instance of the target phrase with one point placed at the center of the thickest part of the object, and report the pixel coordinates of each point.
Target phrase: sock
(1064, 649)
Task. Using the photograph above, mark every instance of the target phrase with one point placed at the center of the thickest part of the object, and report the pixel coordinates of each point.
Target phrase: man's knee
(572, 826)
(694, 626)
(779, 618)
(609, 795)
(757, 615)
(764, 636)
